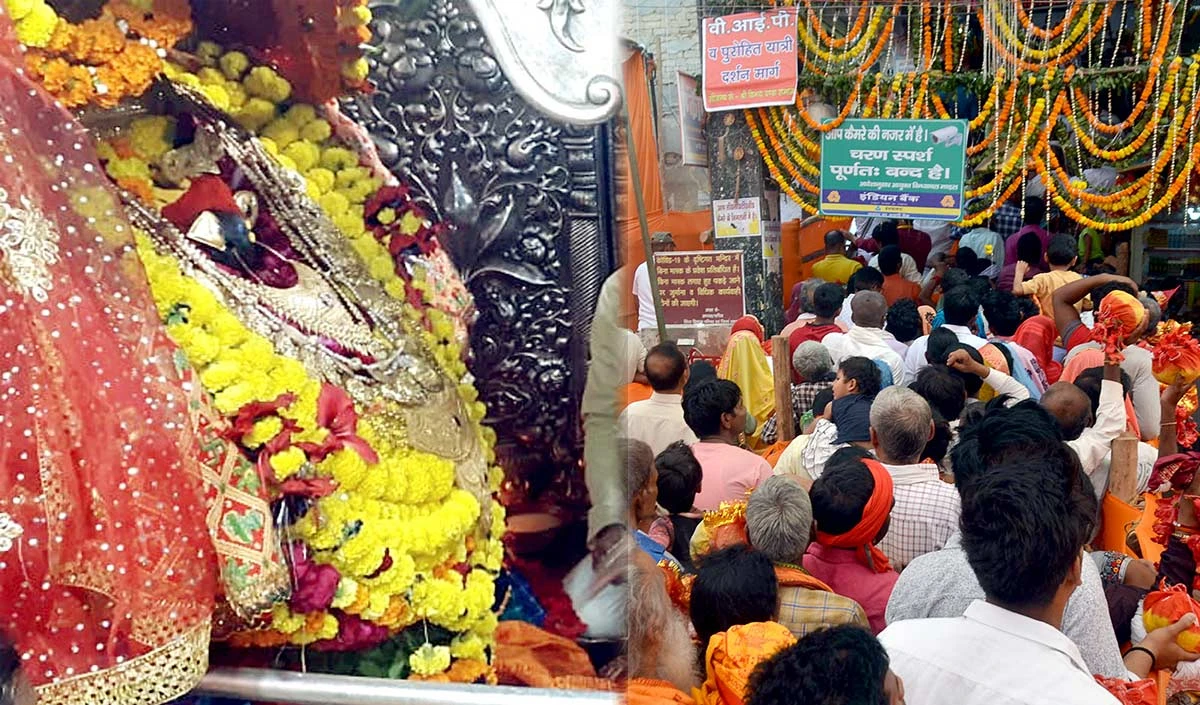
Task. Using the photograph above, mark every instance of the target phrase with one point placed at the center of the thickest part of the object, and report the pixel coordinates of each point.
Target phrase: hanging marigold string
(784, 184)
(814, 21)
(1031, 27)
(1065, 52)
(1036, 92)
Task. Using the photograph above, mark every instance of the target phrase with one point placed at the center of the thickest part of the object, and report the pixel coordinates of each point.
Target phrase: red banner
(700, 287)
(750, 59)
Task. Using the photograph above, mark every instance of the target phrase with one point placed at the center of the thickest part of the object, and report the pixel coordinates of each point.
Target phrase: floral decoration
(103, 60)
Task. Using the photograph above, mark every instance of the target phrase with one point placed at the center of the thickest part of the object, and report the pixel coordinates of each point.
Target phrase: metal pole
(635, 175)
(266, 685)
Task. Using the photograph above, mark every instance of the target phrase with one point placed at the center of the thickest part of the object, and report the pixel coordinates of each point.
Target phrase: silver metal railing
(264, 685)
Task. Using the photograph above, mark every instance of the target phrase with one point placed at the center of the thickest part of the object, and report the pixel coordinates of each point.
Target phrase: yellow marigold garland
(404, 507)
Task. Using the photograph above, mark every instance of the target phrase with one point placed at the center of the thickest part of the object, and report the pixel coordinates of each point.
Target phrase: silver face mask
(751, 424)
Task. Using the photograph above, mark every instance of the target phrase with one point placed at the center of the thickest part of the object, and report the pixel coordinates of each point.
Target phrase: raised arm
(1066, 296)
(1168, 443)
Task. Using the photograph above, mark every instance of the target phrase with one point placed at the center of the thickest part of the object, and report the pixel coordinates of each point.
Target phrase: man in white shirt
(1024, 525)
(960, 306)
(1091, 381)
(868, 309)
(658, 421)
(1072, 409)
(865, 279)
(908, 267)
(943, 584)
(886, 232)
(642, 289)
(1139, 365)
(926, 510)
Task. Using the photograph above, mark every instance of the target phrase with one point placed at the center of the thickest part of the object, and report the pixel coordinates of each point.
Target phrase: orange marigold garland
(109, 58)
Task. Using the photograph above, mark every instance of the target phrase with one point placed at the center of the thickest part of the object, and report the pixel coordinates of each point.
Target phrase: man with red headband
(852, 505)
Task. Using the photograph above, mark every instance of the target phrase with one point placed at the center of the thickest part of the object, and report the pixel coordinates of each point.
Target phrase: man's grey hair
(779, 519)
(901, 419)
(807, 290)
(1153, 312)
(812, 362)
(638, 459)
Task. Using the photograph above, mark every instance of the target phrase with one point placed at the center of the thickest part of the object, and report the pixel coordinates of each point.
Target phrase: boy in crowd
(679, 479)
(1061, 255)
(847, 420)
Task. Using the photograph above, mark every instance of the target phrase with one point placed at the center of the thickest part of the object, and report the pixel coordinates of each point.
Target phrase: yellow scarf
(745, 364)
(733, 655)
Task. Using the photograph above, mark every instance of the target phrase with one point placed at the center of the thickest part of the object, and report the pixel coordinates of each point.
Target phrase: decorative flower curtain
(1072, 87)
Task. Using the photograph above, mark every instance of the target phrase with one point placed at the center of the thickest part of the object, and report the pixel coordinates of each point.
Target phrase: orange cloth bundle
(1166, 606)
(529, 656)
(733, 655)
(724, 527)
(1176, 353)
(1118, 317)
(643, 691)
(1143, 692)
(1177, 359)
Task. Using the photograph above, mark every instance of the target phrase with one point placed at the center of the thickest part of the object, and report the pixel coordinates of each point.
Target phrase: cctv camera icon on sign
(948, 136)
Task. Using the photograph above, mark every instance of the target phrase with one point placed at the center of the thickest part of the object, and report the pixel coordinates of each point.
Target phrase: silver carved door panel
(493, 112)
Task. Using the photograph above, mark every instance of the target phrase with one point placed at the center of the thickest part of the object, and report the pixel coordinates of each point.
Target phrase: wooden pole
(1122, 477)
(781, 366)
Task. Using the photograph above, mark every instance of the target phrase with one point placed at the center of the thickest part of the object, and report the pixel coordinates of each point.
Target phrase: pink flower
(315, 584)
(354, 634)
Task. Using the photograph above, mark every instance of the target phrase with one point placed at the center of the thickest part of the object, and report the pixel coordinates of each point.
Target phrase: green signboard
(896, 168)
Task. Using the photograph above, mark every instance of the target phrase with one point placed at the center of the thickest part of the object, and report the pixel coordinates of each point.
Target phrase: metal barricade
(265, 685)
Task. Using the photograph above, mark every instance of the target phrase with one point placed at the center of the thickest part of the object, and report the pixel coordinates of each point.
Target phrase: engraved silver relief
(521, 190)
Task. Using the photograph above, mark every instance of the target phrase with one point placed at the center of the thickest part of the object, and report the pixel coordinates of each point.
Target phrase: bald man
(835, 266)
(658, 421)
(867, 338)
(1091, 438)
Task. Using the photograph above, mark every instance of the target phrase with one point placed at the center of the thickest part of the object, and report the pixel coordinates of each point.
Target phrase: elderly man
(1090, 437)
(868, 311)
(814, 367)
(779, 522)
(658, 631)
(927, 509)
